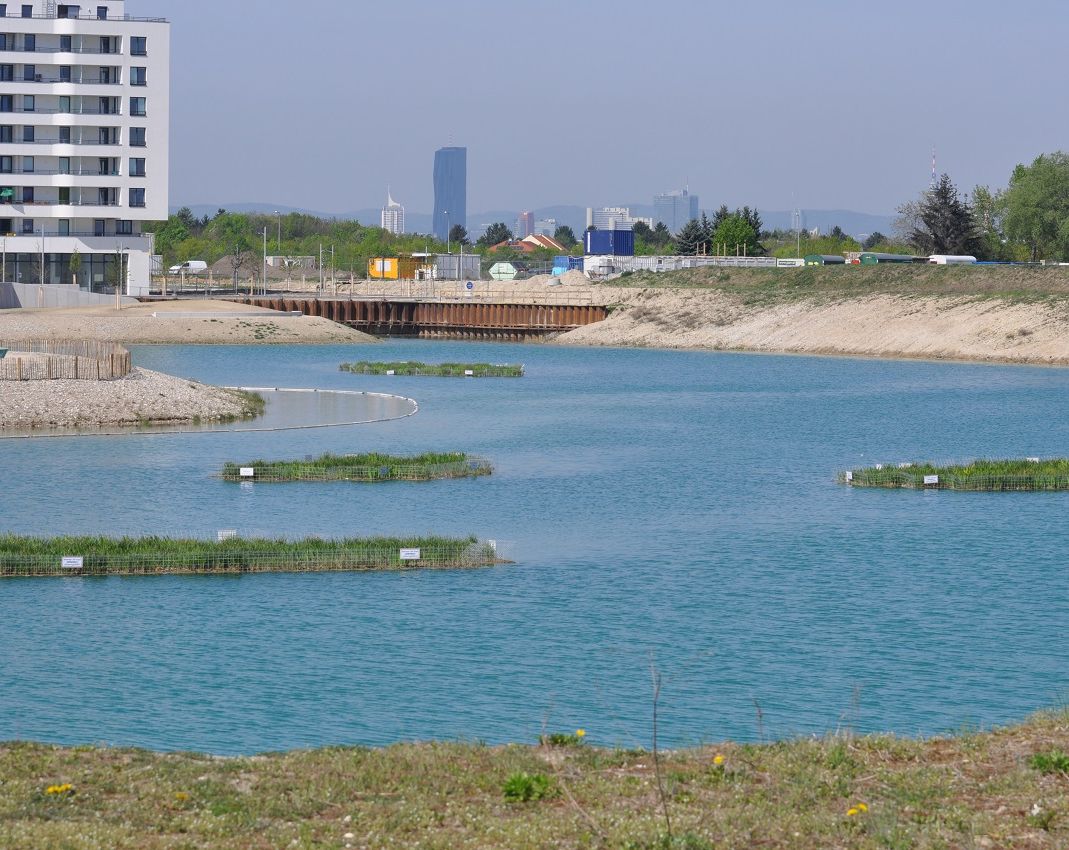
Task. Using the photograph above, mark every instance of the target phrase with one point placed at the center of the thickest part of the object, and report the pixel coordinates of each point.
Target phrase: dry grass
(970, 791)
(1016, 284)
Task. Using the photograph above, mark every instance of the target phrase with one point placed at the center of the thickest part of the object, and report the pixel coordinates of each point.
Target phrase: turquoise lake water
(678, 504)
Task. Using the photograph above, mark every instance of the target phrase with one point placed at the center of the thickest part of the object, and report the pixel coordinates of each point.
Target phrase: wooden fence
(54, 359)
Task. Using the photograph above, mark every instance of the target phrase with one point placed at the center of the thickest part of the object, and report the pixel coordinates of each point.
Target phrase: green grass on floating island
(982, 790)
(371, 467)
(980, 475)
(438, 370)
(103, 556)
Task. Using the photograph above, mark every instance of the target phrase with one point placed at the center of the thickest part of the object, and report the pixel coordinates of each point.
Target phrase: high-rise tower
(450, 190)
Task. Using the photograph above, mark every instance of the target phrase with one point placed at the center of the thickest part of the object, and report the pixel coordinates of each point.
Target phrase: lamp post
(265, 261)
(446, 214)
(41, 233)
(279, 232)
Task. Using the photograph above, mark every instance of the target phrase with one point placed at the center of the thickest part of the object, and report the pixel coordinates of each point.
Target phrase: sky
(322, 104)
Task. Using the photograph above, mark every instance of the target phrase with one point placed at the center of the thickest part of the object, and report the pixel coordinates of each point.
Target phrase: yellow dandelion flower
(181, 796)
(718, 759)
(861, 807)
(580, 733)
(851, 812)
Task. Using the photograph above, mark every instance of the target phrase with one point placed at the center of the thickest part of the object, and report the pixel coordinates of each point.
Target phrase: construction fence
(72, 360)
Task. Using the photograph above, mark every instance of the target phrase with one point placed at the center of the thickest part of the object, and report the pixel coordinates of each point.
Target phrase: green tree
(662, 236)
(75, 266)
(875, 238)
(691, 239)
(944, 223)
(566, 236)
(458, 233)
(234, 231)
(735, 235)
(1037, 207)
(989, 214)
(496, 233)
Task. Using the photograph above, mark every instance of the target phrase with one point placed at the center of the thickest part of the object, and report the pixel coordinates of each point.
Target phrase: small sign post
(931, 479)
(72, 563)
(410, 554)
(849, 475)
(226, 534)
(248, 472)
(469, 373)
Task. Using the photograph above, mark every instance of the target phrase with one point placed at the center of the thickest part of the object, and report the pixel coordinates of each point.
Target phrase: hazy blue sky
(821, 104)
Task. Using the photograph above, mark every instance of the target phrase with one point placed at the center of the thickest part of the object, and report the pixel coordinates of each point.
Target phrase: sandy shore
(142, 396)
(198, 322)
(958, 328)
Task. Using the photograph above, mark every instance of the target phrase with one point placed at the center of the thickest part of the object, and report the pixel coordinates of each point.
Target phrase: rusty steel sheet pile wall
(443, 319)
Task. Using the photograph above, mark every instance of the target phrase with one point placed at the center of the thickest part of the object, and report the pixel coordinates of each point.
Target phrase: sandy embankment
(199, 322)
(955, 328)
(141, 397)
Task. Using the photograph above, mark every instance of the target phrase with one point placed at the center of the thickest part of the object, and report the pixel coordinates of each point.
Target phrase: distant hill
(853, 223)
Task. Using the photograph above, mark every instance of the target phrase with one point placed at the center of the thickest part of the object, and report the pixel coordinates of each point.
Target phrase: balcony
(36, 141)
(86, 17)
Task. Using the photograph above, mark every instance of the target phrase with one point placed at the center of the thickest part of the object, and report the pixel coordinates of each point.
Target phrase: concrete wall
(34, 296)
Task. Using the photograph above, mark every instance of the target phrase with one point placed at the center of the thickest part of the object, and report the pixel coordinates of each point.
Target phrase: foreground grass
(980, 475)
(1015, 284)
(103, 556)
(438, 370)
(973, 791)
(369, 467)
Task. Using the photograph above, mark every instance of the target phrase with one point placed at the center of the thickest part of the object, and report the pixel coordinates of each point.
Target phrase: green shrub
(1053, 762)
(524, 787)
(563, 739)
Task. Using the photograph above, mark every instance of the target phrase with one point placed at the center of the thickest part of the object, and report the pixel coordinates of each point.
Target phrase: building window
(137, 167)
(65, 44)
(64, 73)
(29, 72)
(6, 165)
(27, 225)
(138, 45)
(105, 76)
(3, 10)
(64, 135)
(27, 11)
(99, 227)
(138, 106)
(109, 135)
(27, 134)
(137, 197)
(27, 194)
(7, 194)
(28, 103)
(64, 104)
(137, 76)
(3, 41)
(124, 228)
(64, 165)
(29, 42)
(27, 165)
(102, 13)
(7, 73)
(137, 137)
(70, 11)
(7, 103)
(7, 133)
(64, 227)
(64, 195)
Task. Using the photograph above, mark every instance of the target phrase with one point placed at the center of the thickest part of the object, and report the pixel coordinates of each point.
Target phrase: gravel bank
(142, 396)
(137, 325)
(950, 328)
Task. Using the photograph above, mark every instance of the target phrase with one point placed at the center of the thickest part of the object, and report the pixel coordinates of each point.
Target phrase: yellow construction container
(392, 268)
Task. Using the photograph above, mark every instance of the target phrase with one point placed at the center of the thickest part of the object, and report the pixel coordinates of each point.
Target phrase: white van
(189, 267)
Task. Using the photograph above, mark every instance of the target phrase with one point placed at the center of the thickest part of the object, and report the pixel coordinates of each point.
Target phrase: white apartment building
(84, 122)
(393, 216)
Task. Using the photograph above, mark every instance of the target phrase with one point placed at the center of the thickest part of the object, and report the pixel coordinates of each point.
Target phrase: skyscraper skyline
(450, 190)
(675, 209)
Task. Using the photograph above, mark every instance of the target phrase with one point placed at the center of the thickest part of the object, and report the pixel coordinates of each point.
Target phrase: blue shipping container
(617, 243)
(575, 264)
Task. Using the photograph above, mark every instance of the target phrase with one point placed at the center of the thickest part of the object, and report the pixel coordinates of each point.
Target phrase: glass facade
(98, 271)
(450, 190)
